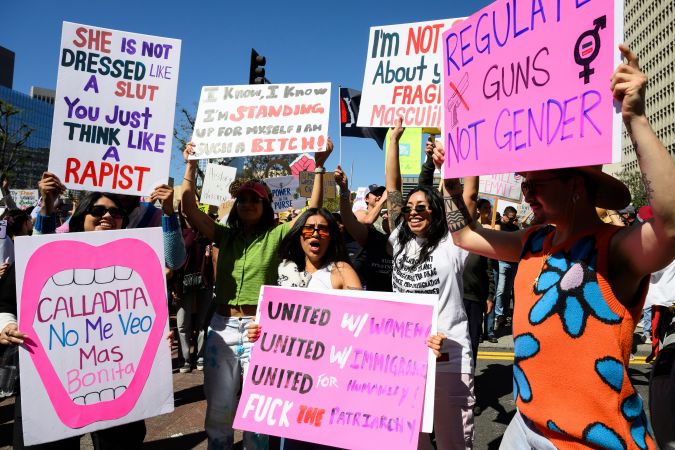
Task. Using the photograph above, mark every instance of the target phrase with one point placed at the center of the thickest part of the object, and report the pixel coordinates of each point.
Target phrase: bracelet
(320, 170)
(188, 179)
(345, 194)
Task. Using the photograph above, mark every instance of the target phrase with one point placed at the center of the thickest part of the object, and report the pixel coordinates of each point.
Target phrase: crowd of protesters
(572, 284)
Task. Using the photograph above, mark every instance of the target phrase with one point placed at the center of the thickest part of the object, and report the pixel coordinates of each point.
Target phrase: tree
(12, 137)
(635, 185)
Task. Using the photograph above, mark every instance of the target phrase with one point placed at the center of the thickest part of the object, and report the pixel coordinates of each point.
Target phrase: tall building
(649, 29)
(6, 67)
(46, 95)
(37, 115)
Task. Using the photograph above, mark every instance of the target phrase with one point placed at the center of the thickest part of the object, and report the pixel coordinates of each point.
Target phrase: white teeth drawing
(95, 323)
(84, 276)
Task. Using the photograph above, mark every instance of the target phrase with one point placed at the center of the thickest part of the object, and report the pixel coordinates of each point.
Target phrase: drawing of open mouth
(95, 316)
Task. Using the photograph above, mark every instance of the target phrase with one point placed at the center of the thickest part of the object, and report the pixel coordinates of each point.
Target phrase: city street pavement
(184, 428)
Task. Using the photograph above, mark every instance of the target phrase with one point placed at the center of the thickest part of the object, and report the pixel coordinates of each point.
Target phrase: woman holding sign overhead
(249, 242)
(427, 262)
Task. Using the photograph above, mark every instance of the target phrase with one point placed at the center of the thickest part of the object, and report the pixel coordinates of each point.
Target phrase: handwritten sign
(97, 316)
(409, 151)
(307, 184)
(360, 199)
(217, 182)
(261, 120)
(403, 75)
(285, 193)
(346, 369)
(114, 109)
(506, 185)
(532, 85)
(25, 198)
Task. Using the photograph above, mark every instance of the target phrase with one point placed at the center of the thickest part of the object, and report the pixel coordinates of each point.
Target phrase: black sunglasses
(100, 211)
(419, 209)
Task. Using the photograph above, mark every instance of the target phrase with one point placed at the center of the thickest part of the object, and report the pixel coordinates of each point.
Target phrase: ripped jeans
(226, 359)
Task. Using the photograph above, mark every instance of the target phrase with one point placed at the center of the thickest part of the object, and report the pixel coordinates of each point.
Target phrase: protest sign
(533, 87)
(95, 309)
(285, 193)
(264, 119)
(3, 231)
(307, 184)
(114, 109)
(341, 368)
(409, 151)
(216, 188)
(506, 185)
(403, 75)
(25, 198)
(360, 199)
(302, 163)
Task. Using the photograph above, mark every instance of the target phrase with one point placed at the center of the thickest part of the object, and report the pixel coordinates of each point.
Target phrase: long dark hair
(291, 249)
(87, 201)
(437, 230)
(15, 219)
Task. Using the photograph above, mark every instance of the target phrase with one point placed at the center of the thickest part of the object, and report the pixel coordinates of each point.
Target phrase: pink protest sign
(526, 87)
(339, 369)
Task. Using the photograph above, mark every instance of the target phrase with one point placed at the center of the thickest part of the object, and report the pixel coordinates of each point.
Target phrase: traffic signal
(256, 74)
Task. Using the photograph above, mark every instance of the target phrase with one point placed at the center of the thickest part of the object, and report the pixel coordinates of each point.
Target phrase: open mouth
(96, 316)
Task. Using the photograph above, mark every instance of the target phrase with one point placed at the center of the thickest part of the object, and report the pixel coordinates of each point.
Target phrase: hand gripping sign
(94, 308)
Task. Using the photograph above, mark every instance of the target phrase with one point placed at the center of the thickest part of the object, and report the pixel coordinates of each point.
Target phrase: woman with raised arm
(580, 288)
(426, 261)
(250, 243)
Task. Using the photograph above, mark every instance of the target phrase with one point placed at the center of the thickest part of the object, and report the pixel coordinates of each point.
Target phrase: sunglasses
(419, 209)
(100, 211)
(309, 230)
(531, 186)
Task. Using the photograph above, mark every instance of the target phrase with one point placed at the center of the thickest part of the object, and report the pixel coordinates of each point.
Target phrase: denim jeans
(519, 435)
(226, 359)
(507, 273)
(647, 322)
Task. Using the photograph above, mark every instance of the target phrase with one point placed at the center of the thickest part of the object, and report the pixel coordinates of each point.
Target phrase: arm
(426, 177)
(650, 247)
(491, 243)
(356, 229)
(50, 188)
(393, 182)
(6, 195)
(373, 213)
(197, 218)
(174, 245)
(344, 276)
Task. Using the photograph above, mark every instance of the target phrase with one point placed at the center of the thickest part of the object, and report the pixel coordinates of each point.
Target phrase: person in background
(485, 220)
(371, 216)
(507, 273)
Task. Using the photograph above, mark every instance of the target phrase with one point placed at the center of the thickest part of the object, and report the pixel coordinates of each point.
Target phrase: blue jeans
(507, 273)
(489, 324)
(647, 322)
(226, 359)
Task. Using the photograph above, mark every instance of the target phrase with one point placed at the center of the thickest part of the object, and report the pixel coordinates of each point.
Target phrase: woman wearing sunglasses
(248, 258)
(426, 261)
(97, 211)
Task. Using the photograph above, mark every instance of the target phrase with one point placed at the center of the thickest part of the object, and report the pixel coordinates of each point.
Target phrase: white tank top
(321, 278)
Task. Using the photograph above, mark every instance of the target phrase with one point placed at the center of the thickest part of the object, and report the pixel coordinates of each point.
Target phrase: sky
(304, 41)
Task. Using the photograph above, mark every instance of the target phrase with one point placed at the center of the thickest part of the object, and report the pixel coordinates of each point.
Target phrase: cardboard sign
(409, 151)
(114, 109)
(94, 307)
(528, 88)
(217, 182)
(285, 193)
(343, 368)
(25, 198)
(506, 185)
(403, 75)
(307, 184)
(265, 119)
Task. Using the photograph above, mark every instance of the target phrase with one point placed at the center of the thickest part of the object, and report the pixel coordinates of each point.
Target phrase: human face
(548, 195)
(418, 221)
(315, 244)
(485, 212)
(249, 208)
(106, 221)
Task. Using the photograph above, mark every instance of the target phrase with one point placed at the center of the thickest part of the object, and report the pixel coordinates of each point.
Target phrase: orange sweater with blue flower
(572, 345)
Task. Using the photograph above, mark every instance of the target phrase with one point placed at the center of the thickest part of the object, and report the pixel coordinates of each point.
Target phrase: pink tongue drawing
(96, 328)
(573, 278)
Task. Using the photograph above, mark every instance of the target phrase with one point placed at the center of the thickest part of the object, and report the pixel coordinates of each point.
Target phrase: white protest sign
(403, 75)
(285, 193)
(216, 188)
(25, 198)
(506, 185)
(95, 309)
(360, 200)
(114, 110)
(261, 120)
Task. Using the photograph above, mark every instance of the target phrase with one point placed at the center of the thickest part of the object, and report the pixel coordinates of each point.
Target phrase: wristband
(320, 170)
